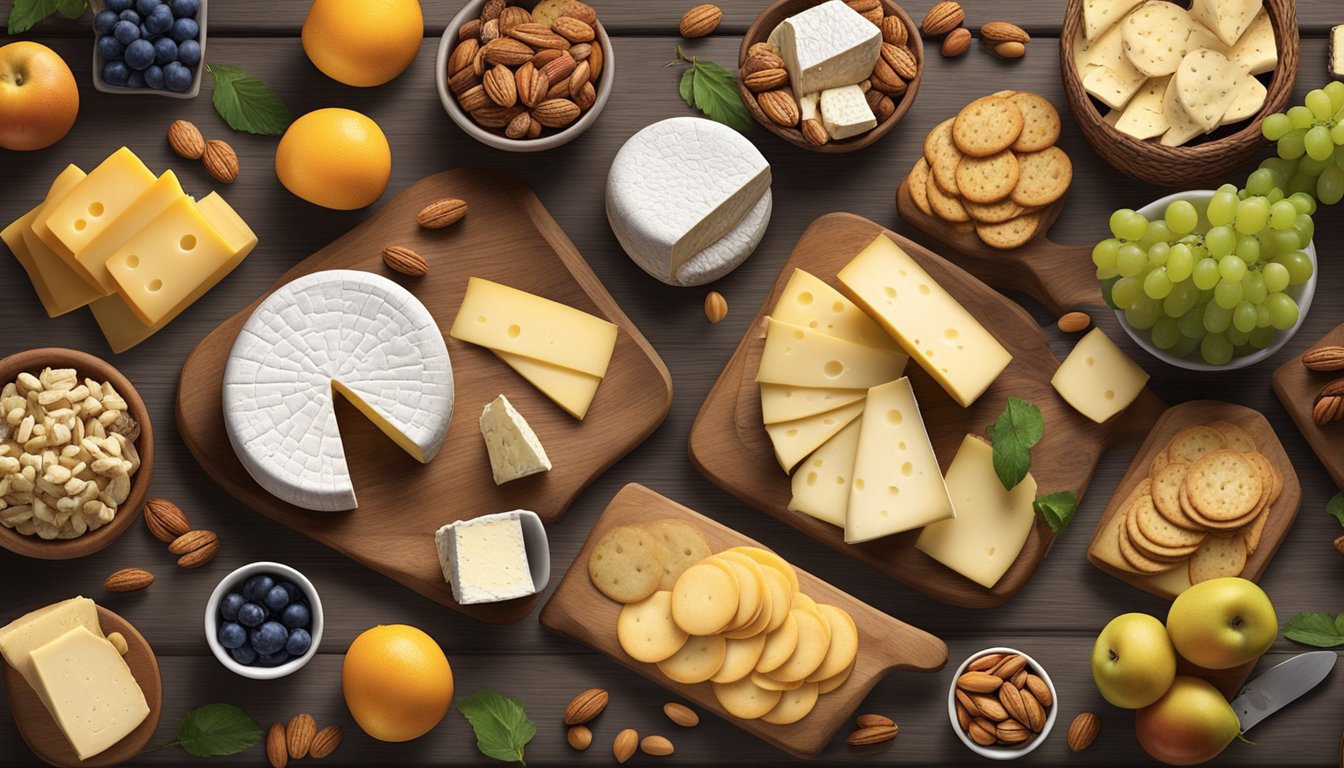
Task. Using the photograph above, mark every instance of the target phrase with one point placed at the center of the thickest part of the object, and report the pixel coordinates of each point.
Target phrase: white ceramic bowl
(1002, 753)
(1302, 294)
(98, 62)
(236, 579)
(497, 140)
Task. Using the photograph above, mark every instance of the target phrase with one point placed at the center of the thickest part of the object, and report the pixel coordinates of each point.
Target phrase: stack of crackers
(993, 167)
(1203, 506)
(736, 620)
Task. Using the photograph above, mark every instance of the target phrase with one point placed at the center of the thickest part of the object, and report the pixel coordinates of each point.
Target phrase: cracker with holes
(625, 564)
(987, 179)
(987, 126)
(1043, 177)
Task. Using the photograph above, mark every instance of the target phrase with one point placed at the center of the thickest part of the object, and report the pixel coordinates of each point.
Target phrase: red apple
(38, 96)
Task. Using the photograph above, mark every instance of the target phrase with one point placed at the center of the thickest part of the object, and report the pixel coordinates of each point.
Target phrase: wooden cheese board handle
(904, 648)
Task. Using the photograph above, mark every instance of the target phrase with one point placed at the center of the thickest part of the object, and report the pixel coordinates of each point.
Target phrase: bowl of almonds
(832, 76)
(524, 76)
(1001, 703)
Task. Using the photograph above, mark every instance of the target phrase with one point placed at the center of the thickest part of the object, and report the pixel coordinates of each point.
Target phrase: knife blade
(1279, 686)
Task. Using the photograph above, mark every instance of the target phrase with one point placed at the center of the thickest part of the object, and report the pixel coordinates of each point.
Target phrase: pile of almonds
(587, 705)
(1329, 406)
(1001, 701)
(1001, 38)
(298, 739)
(168, 523)
(518, 72)
(218, 157)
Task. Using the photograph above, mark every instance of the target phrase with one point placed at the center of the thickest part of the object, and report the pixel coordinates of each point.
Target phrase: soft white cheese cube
(514, 448)
(1336, 51)
(484, 559)
(827, 46)
(845, 112)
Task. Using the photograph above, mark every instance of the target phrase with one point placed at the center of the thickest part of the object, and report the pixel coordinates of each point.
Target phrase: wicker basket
(1206, 161)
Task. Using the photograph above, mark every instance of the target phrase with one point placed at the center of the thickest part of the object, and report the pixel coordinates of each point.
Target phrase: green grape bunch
(1310, 146)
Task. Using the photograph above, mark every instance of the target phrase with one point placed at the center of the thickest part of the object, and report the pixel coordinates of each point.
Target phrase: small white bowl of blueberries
(264, 621)
(149, 46)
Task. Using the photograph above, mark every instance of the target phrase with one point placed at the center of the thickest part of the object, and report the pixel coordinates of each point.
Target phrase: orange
(363, 42)
(38, 96)
(397, 682)
(335, 158)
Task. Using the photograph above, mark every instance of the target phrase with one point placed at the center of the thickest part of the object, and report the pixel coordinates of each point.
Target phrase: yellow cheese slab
(509, 320)
(110, 189)
(991, 526)
(1098, 379)
(898, 485)
(59, 287)
(780, 402)
(21, 637)
(801, 357)
(573, 391)
(794, 440)
(89, 690)
(821, 484)
(937, 331)
(91, 260)
(811, 303)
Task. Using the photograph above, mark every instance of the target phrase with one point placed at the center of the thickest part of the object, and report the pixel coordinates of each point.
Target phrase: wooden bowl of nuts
(1001, 703)
(76, 453)
(886, 90)
(524, 75)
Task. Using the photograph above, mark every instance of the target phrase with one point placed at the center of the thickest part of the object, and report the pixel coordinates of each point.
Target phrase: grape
(1158, 232)
(1216, 318)
(1157, 285)
(1252, 215)
(1180, 263)
(1317, 143)
(1205, 274)
(1105, 252)
(1318, 101)
(1262, 317)
(1232, 268)
(1337, 135)
(1227, 294)
(1274, 195)
(1303, 202)
(1306, 228)
(1302, 182)
(1298, 265)
(1330, 187)
(1185, 347)
(1166, 334)
(1260, 181)
(1283, 169)
(1143, 313)
(1238, 338)
(1262, 337)
(1181, 217)
(1243, 317)
(1282, 214)
(1283, 241)
(1301, 118)
(1335, 90)
(1107, 274)
(1276, 277)
(1276, 126)
(1248, 249)
(1183, 298)
(1291, 147)
(1283, 311)
(1216, 349)
(1309, 166)
(1125, 291)
(1131, 260)
(1158, 254)
(1118, 221)
(1192, 324)
(1222, 208)
(1253, 288)
(1220, 241)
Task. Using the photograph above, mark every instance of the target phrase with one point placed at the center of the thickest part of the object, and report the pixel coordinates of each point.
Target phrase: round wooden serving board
(44, 737)
(1297, 388)
(510, 238)
(729, 444)
(580, 612)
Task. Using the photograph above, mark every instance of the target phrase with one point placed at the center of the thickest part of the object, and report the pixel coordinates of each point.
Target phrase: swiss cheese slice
(1098, 379)
(808, 301)
(58, 287)
(784, 403)
(91, 207)
(794, 440)
(821, 483)
(573, 391)
(91, 260)
(801, 357)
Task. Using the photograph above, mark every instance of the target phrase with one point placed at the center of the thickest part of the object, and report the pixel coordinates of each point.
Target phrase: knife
(1280, 686)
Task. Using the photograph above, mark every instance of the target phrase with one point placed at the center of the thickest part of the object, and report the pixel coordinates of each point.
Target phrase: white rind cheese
(679, 187)
(514, 449)
(827, 46)
(729, 251)
(355, 332)
(845, 112)
(484, 559)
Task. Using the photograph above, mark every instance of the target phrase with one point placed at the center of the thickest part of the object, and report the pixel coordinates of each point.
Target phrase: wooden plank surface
(1056, 616)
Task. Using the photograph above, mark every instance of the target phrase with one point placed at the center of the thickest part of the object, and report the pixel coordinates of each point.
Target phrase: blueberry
(186, 9)
(130, 16)
(296, 615)
(249, 614)
(165, 50)
(116, 73)
(232, 634)
(135, 80)
(272, 661)
(299, 642)
(104, 22)
(269, 638)
(110, 48)
(277, 598)
(160, 21)
(228, 607)
(118, 5)
(126, 32)
(185, 29)
(146, 7)
(189, 52)
(154, 79)
(177, 77)
(244, 655)
(139, 54)
(256, 587)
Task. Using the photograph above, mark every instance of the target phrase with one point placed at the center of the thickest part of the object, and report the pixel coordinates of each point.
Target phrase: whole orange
(397, 682)
(363, 42)
(336, 158)
(38, 96)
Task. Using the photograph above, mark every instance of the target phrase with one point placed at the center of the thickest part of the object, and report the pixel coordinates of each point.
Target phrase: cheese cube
(1098, 379)
(802, 357)
(1336, 52)
(991, 526)
(514, 448)
(573, 391)
(1227, 19)
(827, 46)
(821, 484)
(897, 484)
(93, 205)
(845, 112)
(89, 690)
(933, 327)
(1258, 50)
(484, 559)
(808, 301)
(59, 287)
(780, 402)
(1099, 16)
(22, 636)
(795, 440)
(91, 260)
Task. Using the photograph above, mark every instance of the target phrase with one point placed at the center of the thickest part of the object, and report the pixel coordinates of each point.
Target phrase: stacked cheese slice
(562, 351)
(134, 248)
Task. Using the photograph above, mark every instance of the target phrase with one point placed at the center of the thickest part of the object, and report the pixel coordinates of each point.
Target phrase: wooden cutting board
(1060, 277)
(730, 447)
(508, 237)
(44, 737)
(1297, 388)
(1173, 421)
(580, 612)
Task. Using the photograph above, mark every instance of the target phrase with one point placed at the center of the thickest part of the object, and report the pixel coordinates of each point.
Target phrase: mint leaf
(1017, 431)
(1058, 509)
(713, 90)
(246, 103)
(26, 13)
(501, 725)
(216, 730)
(1316, 628)
(1336, 507)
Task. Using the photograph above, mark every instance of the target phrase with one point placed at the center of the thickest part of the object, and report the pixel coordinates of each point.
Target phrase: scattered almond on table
(128, 580)
(404, 260)
(441, 213)
(195, 548)
(586, 706)
(700, 21)
(957, 43)
(1004, 39)
(716, 307)
(300, 738)
(942, 18)
(1074, 322)
(658, 746)
(625, 744)
(1083, 731)
(681, 714)
(165, 520)
(186, 139)
(579, 737)
(221, 161)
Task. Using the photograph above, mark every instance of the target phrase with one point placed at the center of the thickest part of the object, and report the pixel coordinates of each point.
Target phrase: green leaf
(501, 725)
(713, 90)
(1017, 431)
(1058, 509)
(1336, 507)
(246, 103)
(1316, 628)
(687, 86)
(216, 730)
(72, 9)
(26, 13)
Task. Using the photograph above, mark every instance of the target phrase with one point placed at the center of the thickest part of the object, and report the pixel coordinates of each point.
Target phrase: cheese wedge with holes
(983, 541)
(1258, 50)
(795, 440)
(95, 203)
(58, 287)
(1228, 19)
(827, 46)
(89, 690)
(780, 402)
(931, 325)
(1205, 85)
(1098, 379)
(897, 484)
(1099, 16)
(809, 301)
(573, 391)
(801, 357)
(821, 483)
(1113, 86)
(91, 260)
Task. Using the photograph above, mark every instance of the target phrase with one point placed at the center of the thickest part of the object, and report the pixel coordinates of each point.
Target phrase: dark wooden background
(1055, 617)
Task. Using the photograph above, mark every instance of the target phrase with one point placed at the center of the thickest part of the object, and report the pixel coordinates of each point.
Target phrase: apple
(1190, 724)
(38, 96)
(1222, 623)
(1133, 662)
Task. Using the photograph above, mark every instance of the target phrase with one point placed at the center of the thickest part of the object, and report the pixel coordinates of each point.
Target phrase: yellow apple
(38, 96)
(1222, 623)
(1133, 663)
(1190, 724)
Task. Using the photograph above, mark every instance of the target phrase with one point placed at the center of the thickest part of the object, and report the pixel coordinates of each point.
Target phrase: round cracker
(1043, 177)
(918, 183)
(1156, 528)
(1252, 532)
(1040, 122)
(683, 545)
(1147, 547)
(1204, 522)
(1167, 495)
(942, 154)
(751, 591)
(987, 179)
(624, 564)
(764, 609)
(993, 213)
(832, 683)
(814, 640)
(1161, 460)
(646, 631)
(771, 560)
(844, 647)
(781, 598)
(779, 645)
(1011, 234)
(987, 126)
(745, 699)
(697, 661)
(945, 206)
(1219, 556)
(771, 684)
(793, 705)
(1234, 436)
(1136, 559)
(739, 659)
(705, 598)
(1224, 485)
(806, 603)
(1194, 443)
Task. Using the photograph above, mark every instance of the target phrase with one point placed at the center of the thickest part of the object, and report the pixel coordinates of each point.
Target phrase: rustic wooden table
(1055, 617)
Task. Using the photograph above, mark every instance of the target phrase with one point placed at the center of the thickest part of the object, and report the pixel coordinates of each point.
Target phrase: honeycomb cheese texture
(89, 690)
(484, 559)
(932, 326)
(1098, 379)
(58, 286)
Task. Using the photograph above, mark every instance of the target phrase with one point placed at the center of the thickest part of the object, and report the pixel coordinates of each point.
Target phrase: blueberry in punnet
(110, 49)
(277, 598)
(269, 638)
(185, 29)
(244, 655)
(118, 5)
(104, 21)
(135, 79)
(299, 642)
(160, 21)
(228, 607)
(139, 54)
(293, 589)
(177, 77)
(251, 614)
(232, 634)
(154, 79)
(272, 661)
(186, 9)
(126, 32)
(165, 50)
(256, 587)
(130, 16)
(296, 615)
(146, 7)
(116, 73)
(189, 52)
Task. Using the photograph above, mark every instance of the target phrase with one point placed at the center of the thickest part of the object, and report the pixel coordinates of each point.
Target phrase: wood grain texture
(578, 611)
(45, 738)
(1297, 388)
(506, 237)
(729, 444)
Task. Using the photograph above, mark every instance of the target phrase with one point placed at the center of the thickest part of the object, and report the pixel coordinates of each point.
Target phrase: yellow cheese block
(89, 690)
(811, 303)
(938, 332)
(794, 440)
(780, 402)
(21, 637)
(801, 357)
(573, 391)
(821, 484)
(1098, 379)
(59, 287)
(509, 320)
(91, 260)
(110, 189)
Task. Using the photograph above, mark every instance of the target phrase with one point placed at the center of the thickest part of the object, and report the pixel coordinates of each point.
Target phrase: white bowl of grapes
(1212, 280)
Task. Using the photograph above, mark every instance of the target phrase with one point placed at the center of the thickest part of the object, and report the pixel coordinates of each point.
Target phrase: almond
(470, 31)
(118, 641)
(757, 62)
(885, 80)
(779, 106)
(1325, 359)
(965, 700)
(165, 520)
(519, 126)
(559, 91)
(489, 30)
(996, 32)
(1019, 680)
(465, 79)
(128, 580)
(957, 43)
(473, 98)
(864, 6)
(444, 212)
(1012, 732)
(901, 59)
(983, 732)
(579, 737)
(681, 714)
(538, 36)
(573, 30)
(492, 9)
(533, 129)
(495, 116)
(700, 21)
(581, 11)
(581, 51)
(894, 31)
(511, 17)
(990, 707)
(507, 51)
(985, 663)
(979, 682)
(1328, 410)
(299, 734)
(220, 161)
(462, 56)
(1011, 699)
(1011, 50)
(595, 59)
(625, 744)
(881, 104)
(870, 721)
(556, 113)
(579, 77)
(942, 18)
(1339, 544)
(531, 84)
(186, 139)
(1035, 719)
(585, 97)
(585, 706)
(716, 307)
(762, 47)
(325, 742)
(562, 66)
(658, 746)
(963, 717)
(499, 86)
(192, 541)
(276, 752)
(1010, 666)
(875, 734)
(198, 557)
(1333, 389)
(766, 80)
(1037, 688)
(1074, 322)
(814, 132)
(404, 260)
(1083, 731)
